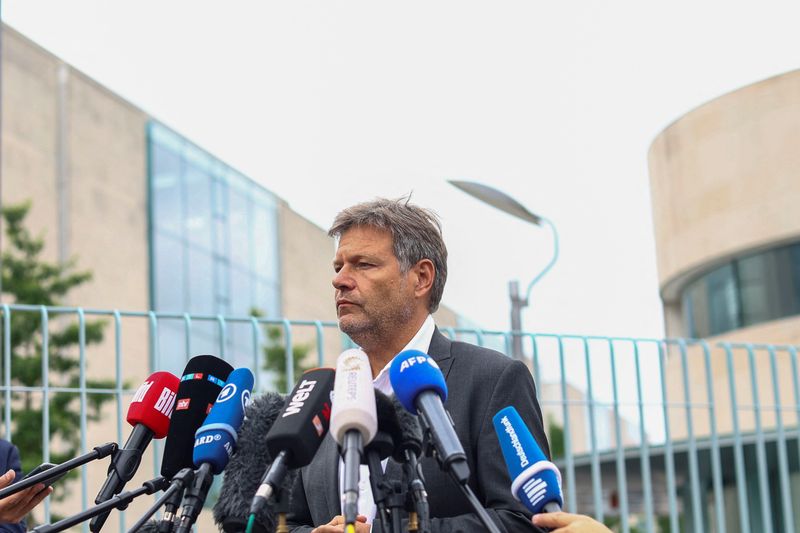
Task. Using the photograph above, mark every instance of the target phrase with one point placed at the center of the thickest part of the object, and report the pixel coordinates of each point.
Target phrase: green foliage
(555, 434)
(28, 279)
(275, 355)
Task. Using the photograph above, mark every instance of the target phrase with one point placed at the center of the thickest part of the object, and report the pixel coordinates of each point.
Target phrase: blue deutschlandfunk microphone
(535, 481)
(215, 441)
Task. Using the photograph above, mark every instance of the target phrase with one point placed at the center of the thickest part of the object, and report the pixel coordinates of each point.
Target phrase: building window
(749, 290)
(214, 248)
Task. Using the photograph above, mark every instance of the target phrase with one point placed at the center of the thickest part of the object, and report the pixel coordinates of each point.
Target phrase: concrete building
(725, 181)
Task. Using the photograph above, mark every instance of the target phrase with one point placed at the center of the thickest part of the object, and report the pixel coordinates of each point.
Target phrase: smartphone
(41, 468)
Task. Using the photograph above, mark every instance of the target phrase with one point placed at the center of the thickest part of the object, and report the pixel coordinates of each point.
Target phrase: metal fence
(651, 434)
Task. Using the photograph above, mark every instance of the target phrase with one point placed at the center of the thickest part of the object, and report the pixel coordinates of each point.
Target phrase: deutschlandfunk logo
(515, 443)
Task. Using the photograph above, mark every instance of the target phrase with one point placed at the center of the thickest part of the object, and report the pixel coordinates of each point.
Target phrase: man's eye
(362, 264)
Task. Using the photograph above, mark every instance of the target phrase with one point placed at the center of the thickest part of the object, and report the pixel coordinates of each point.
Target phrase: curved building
(725, 181)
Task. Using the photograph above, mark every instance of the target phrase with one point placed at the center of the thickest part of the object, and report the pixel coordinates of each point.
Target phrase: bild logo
(227, 392)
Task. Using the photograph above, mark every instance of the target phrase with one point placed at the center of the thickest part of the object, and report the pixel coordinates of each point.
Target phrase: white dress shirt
(366, 504)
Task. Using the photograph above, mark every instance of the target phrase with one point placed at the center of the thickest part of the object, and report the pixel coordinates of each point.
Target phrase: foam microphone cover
(153, 402)
(534, 480)
(201, 383)
(215, 440)
(305, 419)
(413, 372)
(389, 433)
(410, 437)
(246, 468)
(353, 398)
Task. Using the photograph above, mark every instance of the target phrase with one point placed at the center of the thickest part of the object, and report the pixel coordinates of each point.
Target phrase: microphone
(383, 444)
(244, 471)
(149, 414)
(420, 387)
(299, 430)
(536, 482)
(214, 442)
(408, 448)
(201, 382)
(354, 422)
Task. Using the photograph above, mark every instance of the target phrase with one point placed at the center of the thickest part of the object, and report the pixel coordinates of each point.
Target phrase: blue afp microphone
(535, 481)
(214, 442)
(419, 385)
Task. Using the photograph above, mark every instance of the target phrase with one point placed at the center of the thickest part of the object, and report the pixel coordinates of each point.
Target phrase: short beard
(370, 334)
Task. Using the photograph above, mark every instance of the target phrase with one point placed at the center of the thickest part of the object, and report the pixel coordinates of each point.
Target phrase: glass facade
(749, 290)
(214, 249)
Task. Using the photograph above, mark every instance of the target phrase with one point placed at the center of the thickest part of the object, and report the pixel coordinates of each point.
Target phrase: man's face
(372, 294)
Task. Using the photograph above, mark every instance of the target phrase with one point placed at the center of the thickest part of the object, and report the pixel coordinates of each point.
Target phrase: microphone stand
(396, 501)
(178, 483)
(417, 503)
(459, 472)
(120, 501)
(98, 452)
(376, 481)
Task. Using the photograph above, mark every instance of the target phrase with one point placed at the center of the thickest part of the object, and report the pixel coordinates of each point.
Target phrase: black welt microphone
(298, 431)
(201, 383)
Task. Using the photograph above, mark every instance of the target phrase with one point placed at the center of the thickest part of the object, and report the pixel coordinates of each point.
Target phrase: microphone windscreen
(410, 432)
(201, 382)
(388, 426)
(305, 419)
(215, 440)
(534, 480)
(247, 466)
(413, 372)
(353, 398)
(153, 402)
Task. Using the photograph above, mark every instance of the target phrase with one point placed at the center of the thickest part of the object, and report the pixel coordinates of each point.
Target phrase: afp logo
(417, 360)
(227, 392)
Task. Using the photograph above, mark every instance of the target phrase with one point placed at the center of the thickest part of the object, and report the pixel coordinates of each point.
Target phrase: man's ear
(425, 274)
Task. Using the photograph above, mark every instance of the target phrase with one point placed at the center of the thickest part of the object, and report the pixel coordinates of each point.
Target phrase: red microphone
(149, 414)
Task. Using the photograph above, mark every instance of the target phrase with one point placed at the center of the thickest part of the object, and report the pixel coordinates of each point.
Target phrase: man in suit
(14, 508)
(390, 270)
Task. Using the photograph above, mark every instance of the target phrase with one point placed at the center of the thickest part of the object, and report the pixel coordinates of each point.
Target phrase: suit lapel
(439, 350)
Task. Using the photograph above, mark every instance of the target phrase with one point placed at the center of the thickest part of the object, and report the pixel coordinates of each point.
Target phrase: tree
(556, 437)
(275, 354)
(28, 279)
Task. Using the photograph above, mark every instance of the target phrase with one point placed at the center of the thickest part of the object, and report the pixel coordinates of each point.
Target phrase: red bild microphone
(153, 403)
(149, 414)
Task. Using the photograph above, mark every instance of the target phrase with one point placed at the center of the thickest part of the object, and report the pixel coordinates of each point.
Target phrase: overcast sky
(556, 103)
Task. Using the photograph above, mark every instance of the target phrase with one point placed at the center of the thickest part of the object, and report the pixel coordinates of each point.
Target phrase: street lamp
(507, 204)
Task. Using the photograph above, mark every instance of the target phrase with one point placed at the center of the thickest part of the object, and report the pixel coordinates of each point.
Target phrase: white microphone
(354, 422)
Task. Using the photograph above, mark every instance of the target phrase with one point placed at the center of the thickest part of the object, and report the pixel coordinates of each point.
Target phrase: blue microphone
(419, 385)
(536, 482)
(215, 441)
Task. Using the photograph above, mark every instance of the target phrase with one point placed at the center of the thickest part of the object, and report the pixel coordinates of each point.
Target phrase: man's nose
(342, 280)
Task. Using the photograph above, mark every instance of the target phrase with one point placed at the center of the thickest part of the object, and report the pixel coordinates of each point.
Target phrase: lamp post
(507, 204)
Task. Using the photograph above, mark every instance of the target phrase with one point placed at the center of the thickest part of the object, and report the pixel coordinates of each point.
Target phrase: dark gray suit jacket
(480, 382)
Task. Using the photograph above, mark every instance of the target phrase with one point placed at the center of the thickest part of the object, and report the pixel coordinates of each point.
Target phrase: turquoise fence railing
(651, 434)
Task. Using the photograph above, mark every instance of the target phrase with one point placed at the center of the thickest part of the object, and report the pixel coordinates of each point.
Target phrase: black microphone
(215, 441)
(149, 414)
(201, 382)
(407, 452)
(244, 471)
(297, 433)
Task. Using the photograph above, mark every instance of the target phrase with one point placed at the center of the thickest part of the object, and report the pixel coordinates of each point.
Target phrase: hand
(569, 523)
(337, 525)
(14, 508)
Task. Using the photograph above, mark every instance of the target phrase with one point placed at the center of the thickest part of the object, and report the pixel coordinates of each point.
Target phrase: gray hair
(416, 235)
